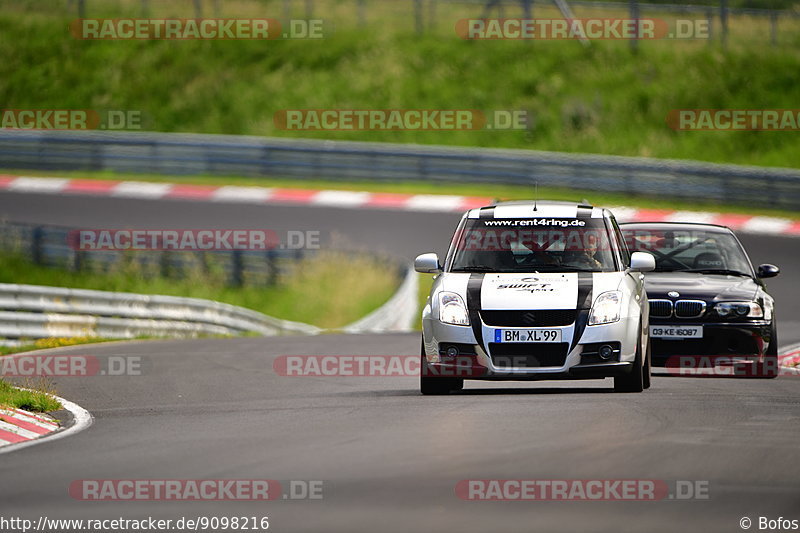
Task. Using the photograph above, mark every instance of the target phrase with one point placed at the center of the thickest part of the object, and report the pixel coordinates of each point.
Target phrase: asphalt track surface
(390, 458)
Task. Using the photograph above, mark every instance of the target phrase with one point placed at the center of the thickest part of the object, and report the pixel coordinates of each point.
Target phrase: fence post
(36, 245)
(309, 9)
(164, 264)
(287, 10)
(272, 267)
(198, 9)
(634, 10)
(237, 271)
(723, 19)
(145, 8)
(431, 14)
(362, 19)
(418, 16)
(81, 9)
(773, 27)
(710, 19)
(77, 260)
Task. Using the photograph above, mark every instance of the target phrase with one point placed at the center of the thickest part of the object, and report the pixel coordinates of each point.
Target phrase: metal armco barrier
(35, 312)
(176, 154)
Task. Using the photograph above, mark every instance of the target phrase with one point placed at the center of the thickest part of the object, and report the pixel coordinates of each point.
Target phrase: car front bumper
(479, 358)
(737, 340)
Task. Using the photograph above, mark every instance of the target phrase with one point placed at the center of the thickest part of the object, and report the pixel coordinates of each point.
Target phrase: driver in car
(585, 257)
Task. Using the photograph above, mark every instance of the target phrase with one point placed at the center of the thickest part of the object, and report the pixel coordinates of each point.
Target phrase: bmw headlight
(606, 308)
(452, 309)
(739, 310)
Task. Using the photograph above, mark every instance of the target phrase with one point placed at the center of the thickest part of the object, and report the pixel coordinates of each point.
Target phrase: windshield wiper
(565, 268)
(722, 272)
(473, 268)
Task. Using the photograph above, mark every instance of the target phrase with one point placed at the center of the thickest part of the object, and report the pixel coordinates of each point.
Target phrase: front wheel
(634, 380)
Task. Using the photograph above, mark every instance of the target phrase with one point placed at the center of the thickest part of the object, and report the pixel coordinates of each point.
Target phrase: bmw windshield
(532, 245)
(690, 250)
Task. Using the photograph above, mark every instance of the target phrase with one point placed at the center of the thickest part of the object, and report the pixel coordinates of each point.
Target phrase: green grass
(500, 192)
(39, 400)
(600, 99)
(329, 290)
(51, 342)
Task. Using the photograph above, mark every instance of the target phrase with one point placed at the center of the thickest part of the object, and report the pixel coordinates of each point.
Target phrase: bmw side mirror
(768, 271)
(642, 262)
(427, 264)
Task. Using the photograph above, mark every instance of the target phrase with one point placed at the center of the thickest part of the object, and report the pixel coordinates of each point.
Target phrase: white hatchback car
(536, 290)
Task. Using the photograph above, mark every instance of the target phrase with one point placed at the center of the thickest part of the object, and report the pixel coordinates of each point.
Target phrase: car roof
(677, 225)
(536, 209)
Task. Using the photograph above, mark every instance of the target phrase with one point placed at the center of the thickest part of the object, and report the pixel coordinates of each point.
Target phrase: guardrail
(176, 154)
(34, 312)
(37, 312)
(51, 246)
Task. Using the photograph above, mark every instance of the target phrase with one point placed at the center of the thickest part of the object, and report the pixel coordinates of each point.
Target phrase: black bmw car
(707, 302)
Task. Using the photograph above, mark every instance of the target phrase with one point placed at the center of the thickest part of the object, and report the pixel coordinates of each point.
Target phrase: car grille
(689, 308)
(523, 318)
(660, 308)
(528, 354)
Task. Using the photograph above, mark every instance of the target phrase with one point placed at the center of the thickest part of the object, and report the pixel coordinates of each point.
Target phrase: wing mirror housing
(768, 271)
(642, 262)
(427, 264)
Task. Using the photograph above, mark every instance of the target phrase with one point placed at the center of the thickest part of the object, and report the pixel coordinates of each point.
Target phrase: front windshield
(689, 250)
(532, 245)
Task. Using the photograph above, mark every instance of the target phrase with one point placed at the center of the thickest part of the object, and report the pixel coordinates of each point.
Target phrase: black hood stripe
(583, 305)
(474, 286)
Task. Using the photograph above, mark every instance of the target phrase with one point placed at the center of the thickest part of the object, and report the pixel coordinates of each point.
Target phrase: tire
(768, 368)
(646, 375)
(634, 380)
(431, 385)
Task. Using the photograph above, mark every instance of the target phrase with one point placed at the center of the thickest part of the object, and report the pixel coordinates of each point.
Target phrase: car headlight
(739, 310)
(452, 309)
(606, 308)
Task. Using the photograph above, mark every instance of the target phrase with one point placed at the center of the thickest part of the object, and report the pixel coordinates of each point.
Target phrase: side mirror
(768, 271)
(427, 264)
(642, 262)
